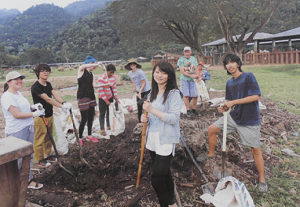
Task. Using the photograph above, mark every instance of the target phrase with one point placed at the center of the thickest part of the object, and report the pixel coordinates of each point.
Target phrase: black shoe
(195, 112)
(189, 114)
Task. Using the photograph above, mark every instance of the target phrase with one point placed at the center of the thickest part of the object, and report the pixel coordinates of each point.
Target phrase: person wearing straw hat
(140, 82)
(42, 92)
(19, 116)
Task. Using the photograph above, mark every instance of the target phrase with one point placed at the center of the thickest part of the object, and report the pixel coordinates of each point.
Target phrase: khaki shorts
(250, 135)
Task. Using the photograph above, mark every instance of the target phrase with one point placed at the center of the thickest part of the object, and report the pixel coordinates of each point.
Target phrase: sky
(22, 5)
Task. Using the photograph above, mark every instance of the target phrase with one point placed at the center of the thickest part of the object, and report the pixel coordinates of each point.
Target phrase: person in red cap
(204, 75)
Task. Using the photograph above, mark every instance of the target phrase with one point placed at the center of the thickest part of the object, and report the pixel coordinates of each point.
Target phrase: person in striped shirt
(106, 94)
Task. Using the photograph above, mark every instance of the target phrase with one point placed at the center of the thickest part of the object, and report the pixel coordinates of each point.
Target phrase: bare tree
(238, 17)
(163, 21)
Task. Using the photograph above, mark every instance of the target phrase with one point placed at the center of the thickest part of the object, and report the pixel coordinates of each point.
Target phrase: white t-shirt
(137, 78)
(12, 124)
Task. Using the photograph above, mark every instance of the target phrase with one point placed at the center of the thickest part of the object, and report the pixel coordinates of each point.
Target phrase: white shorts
(153, 144)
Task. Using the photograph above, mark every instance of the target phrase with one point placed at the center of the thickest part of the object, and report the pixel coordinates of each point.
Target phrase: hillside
(7, 14)
(84, 8)
(34, 26)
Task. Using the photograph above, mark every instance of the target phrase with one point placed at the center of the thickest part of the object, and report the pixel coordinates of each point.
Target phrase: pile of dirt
(111, 177)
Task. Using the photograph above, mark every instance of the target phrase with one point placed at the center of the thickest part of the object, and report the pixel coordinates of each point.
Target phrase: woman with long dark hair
(163, 130)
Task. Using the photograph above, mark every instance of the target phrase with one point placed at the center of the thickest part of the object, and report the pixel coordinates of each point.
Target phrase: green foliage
(34, 26)
(125, 77)
(36, 56)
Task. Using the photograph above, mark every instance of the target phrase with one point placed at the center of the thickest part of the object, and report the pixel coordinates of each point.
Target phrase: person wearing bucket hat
(42, 92)
(140, 82)
(189, 71)
(203, 74)
(19, 116)
(86, 96)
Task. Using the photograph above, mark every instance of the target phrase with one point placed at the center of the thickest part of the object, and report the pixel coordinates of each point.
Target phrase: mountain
(84, 8)
(8, 14)
(34, 26)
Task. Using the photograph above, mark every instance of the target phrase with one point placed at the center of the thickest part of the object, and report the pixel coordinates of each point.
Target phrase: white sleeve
(8, 100)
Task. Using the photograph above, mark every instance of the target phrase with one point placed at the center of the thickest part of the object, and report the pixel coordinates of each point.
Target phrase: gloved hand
(36, 106)
(39, 113)
(67, 106)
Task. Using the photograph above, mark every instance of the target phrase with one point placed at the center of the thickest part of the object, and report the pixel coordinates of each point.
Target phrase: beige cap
(13, 75)
(187, 48)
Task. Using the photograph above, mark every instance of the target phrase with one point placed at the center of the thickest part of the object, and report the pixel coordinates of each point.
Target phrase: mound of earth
(110, 178)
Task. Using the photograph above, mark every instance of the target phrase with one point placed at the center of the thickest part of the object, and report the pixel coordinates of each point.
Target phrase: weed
(125, 77)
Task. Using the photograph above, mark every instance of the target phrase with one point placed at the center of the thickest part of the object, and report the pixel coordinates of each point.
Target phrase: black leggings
(87, 116)
(161, 179)
(103, 108)
(140, 105)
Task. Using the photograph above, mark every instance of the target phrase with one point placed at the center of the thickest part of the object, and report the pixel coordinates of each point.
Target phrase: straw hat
(13, 75)
(132, 60)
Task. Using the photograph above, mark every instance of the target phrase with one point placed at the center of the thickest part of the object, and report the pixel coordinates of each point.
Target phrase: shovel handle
(225, 114)
(142, 151)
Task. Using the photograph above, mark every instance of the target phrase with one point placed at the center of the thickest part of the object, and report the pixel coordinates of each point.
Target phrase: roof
(293, 33)
(258, 36)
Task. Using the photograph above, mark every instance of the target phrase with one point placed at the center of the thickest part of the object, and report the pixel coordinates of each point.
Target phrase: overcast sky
(22, 5)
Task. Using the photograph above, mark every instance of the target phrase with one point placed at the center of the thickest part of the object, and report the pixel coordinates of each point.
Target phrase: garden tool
(142, 151)
(77, 139)
(221, 173)
(208, 187)
(54, 146)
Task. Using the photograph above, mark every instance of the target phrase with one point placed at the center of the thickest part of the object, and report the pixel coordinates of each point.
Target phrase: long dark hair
(167, 68)
(232, 58)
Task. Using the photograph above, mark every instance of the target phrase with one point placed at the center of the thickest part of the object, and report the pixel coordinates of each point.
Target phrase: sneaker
(195, 112)
(93, 139)
(51, 158)
(189, 114)
(102, 132)
(44, 163)
(81, 142)
(108, 128)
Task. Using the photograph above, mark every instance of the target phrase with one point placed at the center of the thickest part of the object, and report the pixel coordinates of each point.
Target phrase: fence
(172, 61)
(288, 57)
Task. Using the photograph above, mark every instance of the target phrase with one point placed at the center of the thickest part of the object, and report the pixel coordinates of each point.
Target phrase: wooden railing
(288, 57)
(172, 61)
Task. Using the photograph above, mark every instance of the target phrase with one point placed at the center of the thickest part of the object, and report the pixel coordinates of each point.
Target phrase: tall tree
(162, 20)
(237, 17)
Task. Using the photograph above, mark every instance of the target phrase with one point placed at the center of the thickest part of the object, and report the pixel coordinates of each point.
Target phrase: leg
(259, 161)
(161, 179)
(195, 102)
(102, 109)
(91, 114)
(140, 108)
(84, 118)
(186, 100)
(107, 117)
(40, 133)
(212, 139)
(47, 142)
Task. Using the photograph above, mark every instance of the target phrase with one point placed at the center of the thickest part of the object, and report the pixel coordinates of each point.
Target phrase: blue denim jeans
(26, 134)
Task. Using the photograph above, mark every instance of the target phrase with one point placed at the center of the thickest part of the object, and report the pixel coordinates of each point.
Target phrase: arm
(19, 115)
(245, 100)
(186, 74)
(142, 88)
(95, 85)
(134, 87)
(82, 67)
(52, 101)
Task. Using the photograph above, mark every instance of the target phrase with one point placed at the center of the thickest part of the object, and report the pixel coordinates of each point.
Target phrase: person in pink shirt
(106, 94)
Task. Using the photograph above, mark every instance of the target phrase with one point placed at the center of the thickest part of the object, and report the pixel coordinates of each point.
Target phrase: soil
(110, 178)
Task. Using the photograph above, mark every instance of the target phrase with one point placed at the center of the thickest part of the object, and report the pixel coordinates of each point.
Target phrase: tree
(36, 55)
(162, 21)
(237, 17)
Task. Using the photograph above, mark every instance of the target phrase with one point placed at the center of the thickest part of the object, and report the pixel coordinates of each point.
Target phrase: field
(114, 170)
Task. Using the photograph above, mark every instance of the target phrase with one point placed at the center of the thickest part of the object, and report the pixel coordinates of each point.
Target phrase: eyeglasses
(45, 71)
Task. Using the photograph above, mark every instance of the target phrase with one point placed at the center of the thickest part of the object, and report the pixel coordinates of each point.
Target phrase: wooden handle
(142, 151)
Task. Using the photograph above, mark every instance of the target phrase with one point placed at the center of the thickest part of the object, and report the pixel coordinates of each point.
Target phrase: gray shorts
(250, 135)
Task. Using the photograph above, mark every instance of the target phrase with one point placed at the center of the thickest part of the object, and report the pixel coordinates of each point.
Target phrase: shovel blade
(221, 173)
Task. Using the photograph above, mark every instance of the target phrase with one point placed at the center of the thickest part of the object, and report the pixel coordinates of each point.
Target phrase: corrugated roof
(258, 36)
(288, 33)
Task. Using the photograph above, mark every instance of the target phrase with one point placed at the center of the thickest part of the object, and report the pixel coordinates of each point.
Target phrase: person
(106, 94)
(86, 96)
(140, 83)
(242, 95)
(203, 74)
(163, 130)
(19, 116)
(189, 71)
(42, 92)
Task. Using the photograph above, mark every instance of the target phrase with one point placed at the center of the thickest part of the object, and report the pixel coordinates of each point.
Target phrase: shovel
(221, 173)
(54, 146)
(208, 187)
(77, 139)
